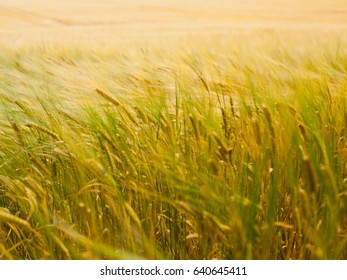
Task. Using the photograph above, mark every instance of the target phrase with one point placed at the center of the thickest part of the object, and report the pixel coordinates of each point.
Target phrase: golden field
(173, 129)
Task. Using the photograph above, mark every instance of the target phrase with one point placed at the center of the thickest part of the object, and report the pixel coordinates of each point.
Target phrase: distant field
(41, 20)
(173, 129)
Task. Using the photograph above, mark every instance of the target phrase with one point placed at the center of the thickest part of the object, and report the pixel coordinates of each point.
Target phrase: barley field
(173, 129)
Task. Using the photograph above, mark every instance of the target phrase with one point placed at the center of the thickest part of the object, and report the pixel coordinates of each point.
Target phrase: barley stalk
(43, 129)
(12, 219)
(108, 97)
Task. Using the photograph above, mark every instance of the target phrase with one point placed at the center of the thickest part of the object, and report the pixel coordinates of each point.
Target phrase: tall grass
(237, 154)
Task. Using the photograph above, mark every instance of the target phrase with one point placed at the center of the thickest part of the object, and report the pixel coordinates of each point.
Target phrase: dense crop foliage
(227, 151)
